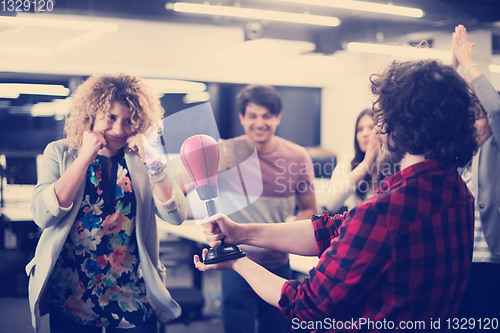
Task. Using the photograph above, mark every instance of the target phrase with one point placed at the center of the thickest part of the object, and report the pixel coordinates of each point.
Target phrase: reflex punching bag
(200, 157)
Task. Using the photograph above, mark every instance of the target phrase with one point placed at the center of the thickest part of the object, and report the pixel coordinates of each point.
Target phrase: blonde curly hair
(99, 92)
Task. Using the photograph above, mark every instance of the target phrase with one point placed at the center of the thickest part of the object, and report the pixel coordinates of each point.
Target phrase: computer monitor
(21, 170)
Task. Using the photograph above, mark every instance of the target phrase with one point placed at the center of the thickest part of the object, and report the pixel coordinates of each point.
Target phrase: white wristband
(468, 68)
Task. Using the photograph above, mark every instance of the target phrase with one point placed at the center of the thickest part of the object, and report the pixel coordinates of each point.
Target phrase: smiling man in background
(287, 174)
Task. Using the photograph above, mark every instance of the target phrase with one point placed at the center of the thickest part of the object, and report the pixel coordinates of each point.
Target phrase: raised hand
(92, 142)
(135, 143)
(461, 48)
(145, 147)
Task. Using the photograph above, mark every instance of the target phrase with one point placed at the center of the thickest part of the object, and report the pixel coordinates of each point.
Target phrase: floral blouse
(96, 281)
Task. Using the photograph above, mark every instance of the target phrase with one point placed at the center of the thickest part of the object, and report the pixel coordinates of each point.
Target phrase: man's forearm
(304, 214)
(294, 237)
(266, 284)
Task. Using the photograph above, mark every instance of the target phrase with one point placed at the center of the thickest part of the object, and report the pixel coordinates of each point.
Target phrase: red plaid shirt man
(403, 255)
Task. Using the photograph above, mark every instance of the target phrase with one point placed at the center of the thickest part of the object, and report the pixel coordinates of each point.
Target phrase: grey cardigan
(57, 221)
(486, 176)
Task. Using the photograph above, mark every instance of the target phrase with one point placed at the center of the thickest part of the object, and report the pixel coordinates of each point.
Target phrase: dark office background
(22, 132)
(300, 121)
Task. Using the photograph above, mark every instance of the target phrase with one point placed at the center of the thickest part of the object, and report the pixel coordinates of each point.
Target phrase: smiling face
(259, 124)
(363, 131)
(116, 125)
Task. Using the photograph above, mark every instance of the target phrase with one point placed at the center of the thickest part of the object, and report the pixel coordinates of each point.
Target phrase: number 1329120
(27, 5)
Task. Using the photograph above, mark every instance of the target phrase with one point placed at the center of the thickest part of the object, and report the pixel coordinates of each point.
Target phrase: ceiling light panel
(250, 13)
(364, 6)
(494, 68)
(13, 90)
(166, 86)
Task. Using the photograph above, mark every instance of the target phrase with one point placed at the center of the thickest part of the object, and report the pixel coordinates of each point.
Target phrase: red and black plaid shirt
(402, 255)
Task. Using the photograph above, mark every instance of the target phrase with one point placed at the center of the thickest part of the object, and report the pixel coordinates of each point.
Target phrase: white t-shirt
(339, 191)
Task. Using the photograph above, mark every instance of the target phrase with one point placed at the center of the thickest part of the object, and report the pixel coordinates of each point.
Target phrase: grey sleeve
(174, 210)
(44, 206)
(490, 99)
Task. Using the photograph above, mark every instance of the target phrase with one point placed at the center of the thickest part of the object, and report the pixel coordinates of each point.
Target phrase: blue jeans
(61, 324)
(242, 306)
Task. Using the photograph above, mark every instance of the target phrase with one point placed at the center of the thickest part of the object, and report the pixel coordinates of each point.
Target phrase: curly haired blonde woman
(97, 261)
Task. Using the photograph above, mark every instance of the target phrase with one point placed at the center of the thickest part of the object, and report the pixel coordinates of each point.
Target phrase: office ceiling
(147, 28)
(155, 42)
(356, 26)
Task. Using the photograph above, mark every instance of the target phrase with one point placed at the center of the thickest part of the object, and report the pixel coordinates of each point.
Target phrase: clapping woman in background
(352, 183)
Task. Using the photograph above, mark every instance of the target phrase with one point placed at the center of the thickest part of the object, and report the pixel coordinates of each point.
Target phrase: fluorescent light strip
(494, 68)
(58, 23)
(196, 97)
(364, 7)
(260, 14)
(57, 107)
(165, 86)
(13, 90)
(394, 50)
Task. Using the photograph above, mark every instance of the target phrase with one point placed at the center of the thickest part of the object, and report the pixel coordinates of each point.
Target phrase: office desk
(17, 213)
(17, 228)
(189, 230)
(18, 239)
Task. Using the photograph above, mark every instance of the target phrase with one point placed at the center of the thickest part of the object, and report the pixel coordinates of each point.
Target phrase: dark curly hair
(425, 108)
(262, 95)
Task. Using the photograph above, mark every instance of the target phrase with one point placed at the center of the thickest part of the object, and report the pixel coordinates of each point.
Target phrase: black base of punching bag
(222, 253)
